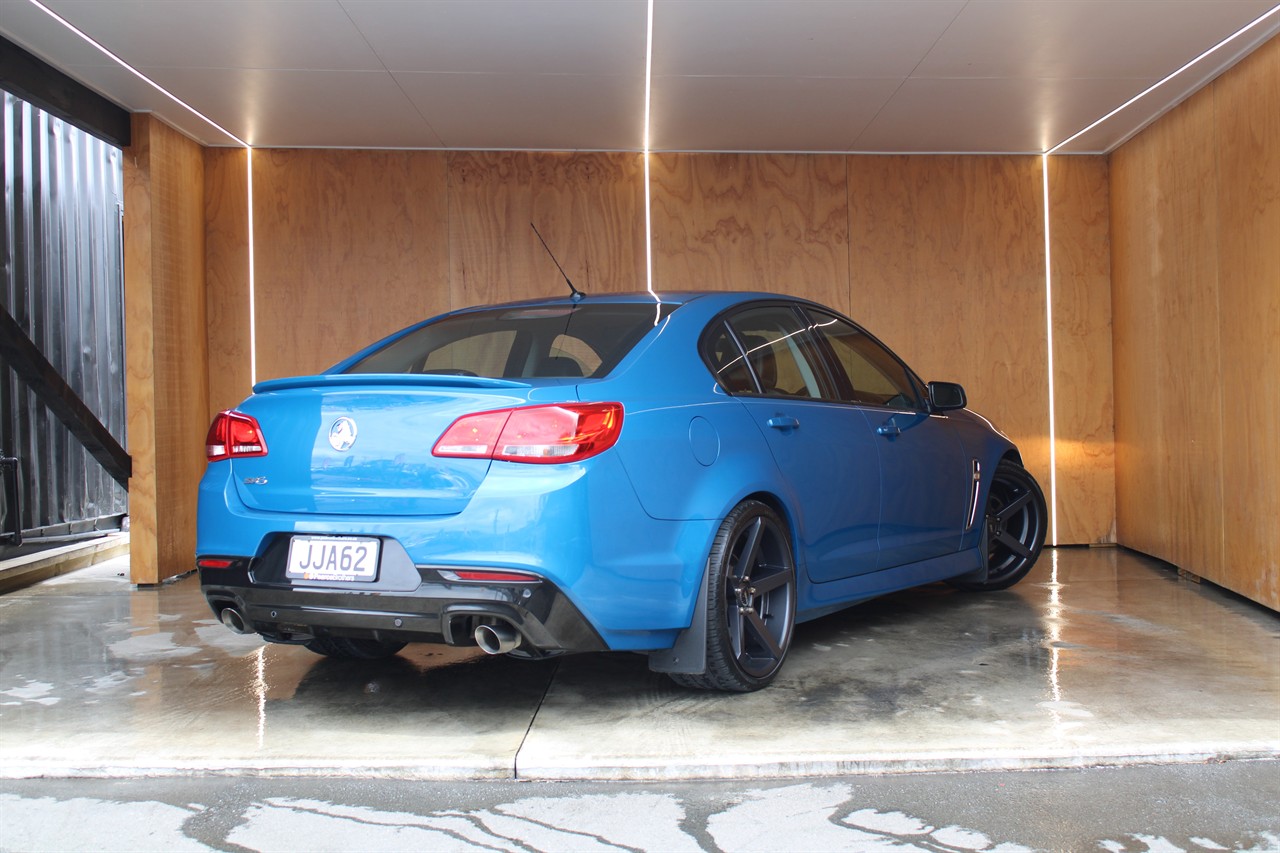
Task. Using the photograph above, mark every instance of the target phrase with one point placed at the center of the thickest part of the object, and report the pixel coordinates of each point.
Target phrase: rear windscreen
(569, 341)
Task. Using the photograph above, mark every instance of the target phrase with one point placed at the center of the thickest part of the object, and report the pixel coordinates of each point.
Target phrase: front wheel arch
(1015, 523)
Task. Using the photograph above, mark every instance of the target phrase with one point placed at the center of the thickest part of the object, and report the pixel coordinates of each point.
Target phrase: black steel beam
(39, 83)
(9, 472)
(21, 354)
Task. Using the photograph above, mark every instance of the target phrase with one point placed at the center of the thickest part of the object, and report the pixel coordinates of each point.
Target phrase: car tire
(351, 648)
(1015, 519)
(751, 602)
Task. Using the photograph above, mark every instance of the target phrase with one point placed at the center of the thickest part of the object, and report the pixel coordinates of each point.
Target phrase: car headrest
(559, 365)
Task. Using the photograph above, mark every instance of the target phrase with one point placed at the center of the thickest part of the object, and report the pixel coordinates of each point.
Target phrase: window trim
(811, 347)
(833, 361)
(815, 346)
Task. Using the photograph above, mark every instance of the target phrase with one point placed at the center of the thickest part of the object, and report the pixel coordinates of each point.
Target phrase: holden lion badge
(342, 434)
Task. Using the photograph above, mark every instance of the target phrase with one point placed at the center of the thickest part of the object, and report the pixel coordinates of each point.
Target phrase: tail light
(234, 434)
(567, 432)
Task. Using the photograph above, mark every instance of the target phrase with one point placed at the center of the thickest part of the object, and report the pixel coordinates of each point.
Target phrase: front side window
(565, 341)
(872, 375)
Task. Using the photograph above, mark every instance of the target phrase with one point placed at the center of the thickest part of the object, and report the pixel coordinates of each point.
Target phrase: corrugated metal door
(63, 281)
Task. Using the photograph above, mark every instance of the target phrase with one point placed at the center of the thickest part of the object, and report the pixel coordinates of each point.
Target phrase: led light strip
(253, 315)
(1048, 258)
(648, 191)
(135, 72)
(90, 40)
(1048, 322)
(648, 212)
(1147, 91)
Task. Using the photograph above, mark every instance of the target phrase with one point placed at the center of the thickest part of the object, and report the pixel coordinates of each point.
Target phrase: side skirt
(817, 600)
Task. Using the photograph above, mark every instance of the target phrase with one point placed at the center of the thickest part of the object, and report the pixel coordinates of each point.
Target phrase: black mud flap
(688, 655)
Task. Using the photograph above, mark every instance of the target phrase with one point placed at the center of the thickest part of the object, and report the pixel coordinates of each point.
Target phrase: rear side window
(566, 341)
(768, 353)
(729, 364)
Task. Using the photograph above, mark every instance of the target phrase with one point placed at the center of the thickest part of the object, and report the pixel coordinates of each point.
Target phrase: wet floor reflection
(93, 667)
(1097, 652)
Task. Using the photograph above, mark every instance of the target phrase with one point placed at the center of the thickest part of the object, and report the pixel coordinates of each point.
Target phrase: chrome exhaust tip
(234, 620)
(496, 639)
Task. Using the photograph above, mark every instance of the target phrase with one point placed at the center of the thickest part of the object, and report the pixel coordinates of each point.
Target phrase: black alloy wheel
(751, 601)
(1016, 519)
(354, 648)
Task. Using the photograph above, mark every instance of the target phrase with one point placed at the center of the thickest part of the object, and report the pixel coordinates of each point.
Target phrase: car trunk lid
(361, 444)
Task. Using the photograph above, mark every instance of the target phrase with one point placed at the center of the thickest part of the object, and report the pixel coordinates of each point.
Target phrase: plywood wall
(226, 210)
(1247, 133)
(1084, 414)
(1165, 298)
(772, 222)
(588, 207)
(347, 250)
(941, 256)
(352, 245)
(1195, 208)
(948, 269)
(166, 359)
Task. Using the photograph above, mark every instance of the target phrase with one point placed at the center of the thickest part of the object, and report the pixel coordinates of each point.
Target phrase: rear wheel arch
(688, 655)
(747, 604)
(775, 503)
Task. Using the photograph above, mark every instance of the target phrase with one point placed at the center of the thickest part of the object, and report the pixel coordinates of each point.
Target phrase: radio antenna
(577, 294)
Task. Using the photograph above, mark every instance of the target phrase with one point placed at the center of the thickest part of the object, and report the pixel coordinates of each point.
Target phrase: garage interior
(1109, 298)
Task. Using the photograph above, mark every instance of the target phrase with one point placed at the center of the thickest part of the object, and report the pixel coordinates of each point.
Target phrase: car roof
(672, 297)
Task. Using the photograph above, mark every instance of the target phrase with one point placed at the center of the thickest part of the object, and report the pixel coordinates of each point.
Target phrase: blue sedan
(685, 475)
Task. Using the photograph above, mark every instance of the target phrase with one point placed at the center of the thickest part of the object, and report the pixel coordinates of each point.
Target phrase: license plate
(333, 558)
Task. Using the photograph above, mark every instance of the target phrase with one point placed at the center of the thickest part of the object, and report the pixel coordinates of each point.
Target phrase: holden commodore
(687, 475)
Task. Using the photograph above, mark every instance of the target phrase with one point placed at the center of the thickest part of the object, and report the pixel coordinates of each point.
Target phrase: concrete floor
(1177, 808)
(1101, 657)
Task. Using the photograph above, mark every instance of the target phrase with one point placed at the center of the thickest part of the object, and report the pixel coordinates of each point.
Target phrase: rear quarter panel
(690, 451)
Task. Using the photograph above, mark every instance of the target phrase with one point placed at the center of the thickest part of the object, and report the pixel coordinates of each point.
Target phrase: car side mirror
(945, 396)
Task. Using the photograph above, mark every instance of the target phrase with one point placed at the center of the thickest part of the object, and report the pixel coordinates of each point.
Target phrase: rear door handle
(783, 422)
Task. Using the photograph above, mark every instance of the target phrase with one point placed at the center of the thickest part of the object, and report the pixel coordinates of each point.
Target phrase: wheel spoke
(753, 567)
(737, 630)
(1013, 506)
(765, 584)
(750, 550)
(761, 632)
(1013, 531)
(1013, 543)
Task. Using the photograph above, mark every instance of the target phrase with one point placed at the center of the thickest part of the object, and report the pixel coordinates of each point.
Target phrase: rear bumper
(630, 579)
(434, 611)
